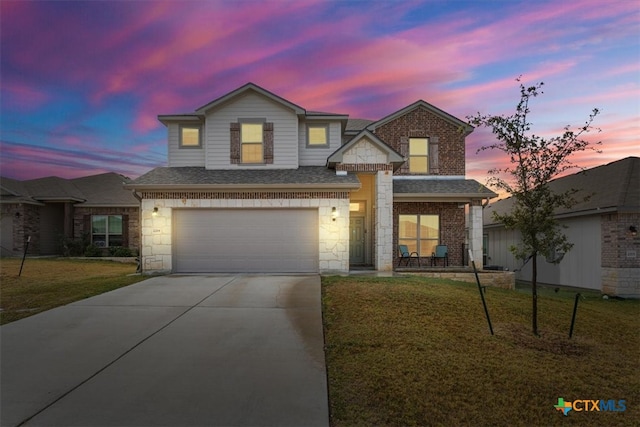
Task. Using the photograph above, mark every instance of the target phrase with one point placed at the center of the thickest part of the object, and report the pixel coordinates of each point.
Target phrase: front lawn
(46, 283)
(415, 351)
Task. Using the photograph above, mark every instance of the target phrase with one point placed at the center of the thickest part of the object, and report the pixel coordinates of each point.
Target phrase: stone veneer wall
(620, 255)
(383, 226)
(157, 230)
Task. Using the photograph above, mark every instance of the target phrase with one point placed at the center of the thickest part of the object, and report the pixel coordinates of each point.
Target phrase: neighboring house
(603, 229)
(48, 210)
(256, 183)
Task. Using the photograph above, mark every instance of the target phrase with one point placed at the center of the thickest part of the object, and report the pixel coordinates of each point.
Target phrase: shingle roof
(96, 190)
(356, 125)
(612, 187)
(53, 188)
(105, 189)
(186, 177)
(453, 188)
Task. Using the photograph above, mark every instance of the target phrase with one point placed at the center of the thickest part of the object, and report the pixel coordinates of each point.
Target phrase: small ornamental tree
(534, 161)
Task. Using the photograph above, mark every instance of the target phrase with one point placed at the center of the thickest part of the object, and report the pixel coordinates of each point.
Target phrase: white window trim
(107, 234)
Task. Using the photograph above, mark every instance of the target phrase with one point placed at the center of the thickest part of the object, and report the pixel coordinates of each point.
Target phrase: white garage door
(245, 240)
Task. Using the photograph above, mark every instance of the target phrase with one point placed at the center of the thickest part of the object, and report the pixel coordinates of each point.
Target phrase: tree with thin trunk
(534, 161)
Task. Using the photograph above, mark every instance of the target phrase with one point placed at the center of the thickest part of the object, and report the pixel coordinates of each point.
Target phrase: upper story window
(419, 155)
(190, 137)
(317, 135)
(251, 140)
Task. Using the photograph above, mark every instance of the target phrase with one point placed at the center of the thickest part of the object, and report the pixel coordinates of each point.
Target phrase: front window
(106, 230)
(419, 155)
(317, 135)
(251, 142)
(190, 136)
(421, 233)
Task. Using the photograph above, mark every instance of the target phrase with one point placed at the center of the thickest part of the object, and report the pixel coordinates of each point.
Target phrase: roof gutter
(443, 197)
(243, 187)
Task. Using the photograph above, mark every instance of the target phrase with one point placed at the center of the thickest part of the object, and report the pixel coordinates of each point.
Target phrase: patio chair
(406, 255)
(441, 253)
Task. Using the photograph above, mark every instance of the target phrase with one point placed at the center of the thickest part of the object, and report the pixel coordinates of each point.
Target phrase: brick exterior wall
(360, 167)
(244, 195)
(26, 224)
(452, 232)
(618, 245)
(423, 123)
(133, 221)
(620, 255)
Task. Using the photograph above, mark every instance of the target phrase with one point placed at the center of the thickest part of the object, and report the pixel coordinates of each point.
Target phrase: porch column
(475, 232)
(384, 221)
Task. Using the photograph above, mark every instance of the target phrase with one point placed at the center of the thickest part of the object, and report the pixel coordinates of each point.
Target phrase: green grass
(46, 283)
(414, 351)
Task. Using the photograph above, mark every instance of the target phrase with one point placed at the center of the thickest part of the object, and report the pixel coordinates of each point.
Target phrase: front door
(356, 240)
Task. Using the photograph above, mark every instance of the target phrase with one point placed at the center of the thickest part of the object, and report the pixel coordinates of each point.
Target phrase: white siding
(318, 156)
(251, 106)
(182, 156)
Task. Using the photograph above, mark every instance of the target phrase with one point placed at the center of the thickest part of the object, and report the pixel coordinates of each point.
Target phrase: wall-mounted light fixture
(334, 213)
(634, 230)
(155, 211)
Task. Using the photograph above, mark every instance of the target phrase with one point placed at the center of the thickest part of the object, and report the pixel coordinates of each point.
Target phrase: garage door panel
(245, 240)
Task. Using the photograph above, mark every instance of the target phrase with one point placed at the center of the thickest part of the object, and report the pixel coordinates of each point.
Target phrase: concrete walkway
(172, 351)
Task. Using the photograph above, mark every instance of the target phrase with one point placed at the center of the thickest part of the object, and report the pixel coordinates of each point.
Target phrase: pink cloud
(23, 96)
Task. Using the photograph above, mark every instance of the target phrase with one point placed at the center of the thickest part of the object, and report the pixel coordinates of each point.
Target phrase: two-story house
(256, 183)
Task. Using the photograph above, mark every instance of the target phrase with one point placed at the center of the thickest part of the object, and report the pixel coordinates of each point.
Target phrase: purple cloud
(91, 77)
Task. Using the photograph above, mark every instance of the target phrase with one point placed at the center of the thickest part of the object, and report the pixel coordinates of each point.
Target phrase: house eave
(59, 199)
(107, 205)
(180, 118)
(444, 197)
(245, 187)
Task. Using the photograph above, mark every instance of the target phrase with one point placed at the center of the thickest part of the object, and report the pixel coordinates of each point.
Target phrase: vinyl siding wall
(318, 156)
(251, 106)
(182, 156)
(580, 267)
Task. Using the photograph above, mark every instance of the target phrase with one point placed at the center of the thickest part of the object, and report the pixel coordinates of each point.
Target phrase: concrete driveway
(243, 350)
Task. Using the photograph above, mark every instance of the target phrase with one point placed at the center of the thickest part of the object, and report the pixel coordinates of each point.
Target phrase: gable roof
(254, 88)
(393, 156)
(614, 187)
(95, 190)
(466, 127)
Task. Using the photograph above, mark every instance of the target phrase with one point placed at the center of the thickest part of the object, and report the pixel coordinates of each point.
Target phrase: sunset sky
(82, 82)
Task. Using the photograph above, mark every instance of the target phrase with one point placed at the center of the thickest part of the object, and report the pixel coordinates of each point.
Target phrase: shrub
(120, 251)
(93, 251)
